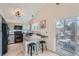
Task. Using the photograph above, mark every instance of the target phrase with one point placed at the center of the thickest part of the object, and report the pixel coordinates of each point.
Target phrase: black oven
(18, 35)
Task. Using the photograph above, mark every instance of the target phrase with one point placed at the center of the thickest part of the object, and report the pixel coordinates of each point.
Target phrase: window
(35, 27)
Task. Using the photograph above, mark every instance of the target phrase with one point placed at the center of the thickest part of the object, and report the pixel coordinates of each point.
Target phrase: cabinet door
(11, 39)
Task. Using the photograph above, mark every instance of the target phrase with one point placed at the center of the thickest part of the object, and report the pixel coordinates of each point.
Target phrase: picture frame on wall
(43, 24)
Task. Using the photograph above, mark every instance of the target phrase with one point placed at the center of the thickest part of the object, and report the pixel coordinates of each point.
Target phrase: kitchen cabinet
(11, 39)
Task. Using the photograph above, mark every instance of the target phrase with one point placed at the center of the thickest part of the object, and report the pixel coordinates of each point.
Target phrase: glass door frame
(72, 18)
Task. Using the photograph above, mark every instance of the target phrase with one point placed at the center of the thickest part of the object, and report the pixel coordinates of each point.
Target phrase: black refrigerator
(3, 36)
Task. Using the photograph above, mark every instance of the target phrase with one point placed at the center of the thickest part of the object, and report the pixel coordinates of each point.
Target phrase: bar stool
(32, 47)
(42, 44)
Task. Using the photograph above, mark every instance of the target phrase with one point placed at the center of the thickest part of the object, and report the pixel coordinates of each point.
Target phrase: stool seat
(31, 44)
(42, 41)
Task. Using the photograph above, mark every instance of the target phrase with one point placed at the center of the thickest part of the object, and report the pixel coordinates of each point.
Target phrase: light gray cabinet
(11, 39)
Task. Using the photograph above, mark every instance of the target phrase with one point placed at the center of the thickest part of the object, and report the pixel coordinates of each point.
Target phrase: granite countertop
(11, 34)
(32, 38)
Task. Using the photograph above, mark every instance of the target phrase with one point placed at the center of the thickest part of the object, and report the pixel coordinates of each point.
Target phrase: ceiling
(29, 9)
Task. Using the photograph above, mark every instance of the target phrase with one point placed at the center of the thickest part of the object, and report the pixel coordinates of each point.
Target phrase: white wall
(51, 12)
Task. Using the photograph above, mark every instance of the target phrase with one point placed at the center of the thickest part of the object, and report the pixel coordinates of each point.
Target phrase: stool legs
(31, 51)
(42, 47)
(28, 50)
(36, 50)
(45, 46)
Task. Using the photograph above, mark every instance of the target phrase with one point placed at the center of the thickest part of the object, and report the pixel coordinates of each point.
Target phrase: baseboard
(52, 51)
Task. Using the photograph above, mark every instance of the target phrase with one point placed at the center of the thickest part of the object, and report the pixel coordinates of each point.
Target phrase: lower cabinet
(11, 39)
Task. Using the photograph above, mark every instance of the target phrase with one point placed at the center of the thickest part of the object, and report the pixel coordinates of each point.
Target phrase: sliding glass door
(66, 30)
(77, 37)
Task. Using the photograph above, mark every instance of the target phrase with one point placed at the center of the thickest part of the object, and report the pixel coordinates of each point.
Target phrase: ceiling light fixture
(18, 12)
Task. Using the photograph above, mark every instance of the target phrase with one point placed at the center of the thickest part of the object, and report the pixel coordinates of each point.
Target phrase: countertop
(30, 39)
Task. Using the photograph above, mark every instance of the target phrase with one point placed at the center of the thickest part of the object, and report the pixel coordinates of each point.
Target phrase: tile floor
(17, 50)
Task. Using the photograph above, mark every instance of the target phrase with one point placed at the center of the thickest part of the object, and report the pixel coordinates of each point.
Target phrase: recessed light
(57, 3)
